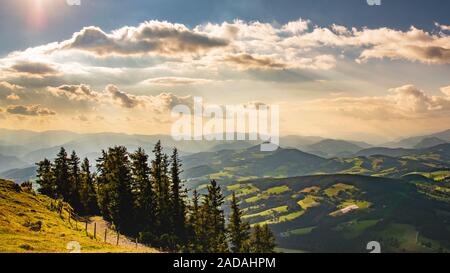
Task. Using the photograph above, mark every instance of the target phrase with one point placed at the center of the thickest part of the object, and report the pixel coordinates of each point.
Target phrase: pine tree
(239, 230)
(262, 240)
(214, 220)
(46, 178)
(61, 173)
(88, 192)
(75, 182)
(194, 224)
(268, 239)
(144, 193)
(161, 181)
(121, 203)
(103, 185)
(177, 197)
(256, 244)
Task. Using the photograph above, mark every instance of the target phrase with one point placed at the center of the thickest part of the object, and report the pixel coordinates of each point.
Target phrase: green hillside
(309, 213)
(250, 163)
(30, 222)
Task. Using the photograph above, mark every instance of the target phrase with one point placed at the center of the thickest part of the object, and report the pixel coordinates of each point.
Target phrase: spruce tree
(61, 173)
(177, 198)
(144, 193)
(88, 191)
(214, 220)
(194, 224)
(239, 230)
(161, 181)
(268, 240)
(46, 178)
(262, 240)
(121, 203)
(75, 182)
(103, 185)
(256, 243)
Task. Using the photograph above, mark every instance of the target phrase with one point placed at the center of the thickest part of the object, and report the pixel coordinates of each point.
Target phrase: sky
(339, 69)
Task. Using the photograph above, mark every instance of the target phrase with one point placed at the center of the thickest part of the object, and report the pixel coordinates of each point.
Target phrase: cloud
(29, 110)
(412, 45)
(126, 100)
(442, 27)
(10, 87)
(80, 92)
(149, 37)
(81, 118)
(296, 27)
(13, 96)
(171, 81)
(245, 61)
(446, 90)
(33, 68)
(152, 50)
(404, 102)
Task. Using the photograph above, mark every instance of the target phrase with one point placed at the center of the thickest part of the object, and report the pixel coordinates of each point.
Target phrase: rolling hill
(334, 148)
(30, 222)
(244, 164)
(342, 213)
(410, 142)
(9, 162)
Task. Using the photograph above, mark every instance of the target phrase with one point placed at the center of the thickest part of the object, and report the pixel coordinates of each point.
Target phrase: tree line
(147, 199)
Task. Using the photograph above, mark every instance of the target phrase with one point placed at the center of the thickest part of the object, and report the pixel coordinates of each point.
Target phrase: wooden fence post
(117, 243)
(86, 228)
(136, 242)
(105, 233)
(95, 230)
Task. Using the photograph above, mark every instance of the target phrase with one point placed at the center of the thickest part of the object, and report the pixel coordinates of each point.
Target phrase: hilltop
(30, 222)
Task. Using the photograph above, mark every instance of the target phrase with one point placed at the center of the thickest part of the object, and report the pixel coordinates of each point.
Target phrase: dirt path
(111, 235)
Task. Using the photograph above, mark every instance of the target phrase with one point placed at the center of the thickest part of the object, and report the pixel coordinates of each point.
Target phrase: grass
(278, 190)
(354, 229)
(401, 237)
(334, 190)
(241, 190)
(298, 232)
(309, 201)
(268, 213)
(29, 224)
(267, 194)
(283, 218)
(313, 189)
(360, 203)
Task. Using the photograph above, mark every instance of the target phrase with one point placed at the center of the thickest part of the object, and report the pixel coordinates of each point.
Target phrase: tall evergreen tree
(103, 185)
(143, 191)
(121, 203)
(88, 191)
(239, 230)
(268, 239)
(262, 240)
(46, 178)
(160, 179)
(177, 197)
(214, 220)
(61, 173)
(75, 182)
(194, 224)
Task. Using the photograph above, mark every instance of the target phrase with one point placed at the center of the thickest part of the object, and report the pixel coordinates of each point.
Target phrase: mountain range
(20, 149)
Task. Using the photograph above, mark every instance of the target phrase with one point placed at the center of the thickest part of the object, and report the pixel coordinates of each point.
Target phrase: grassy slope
(20, 231)
(300, 214)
